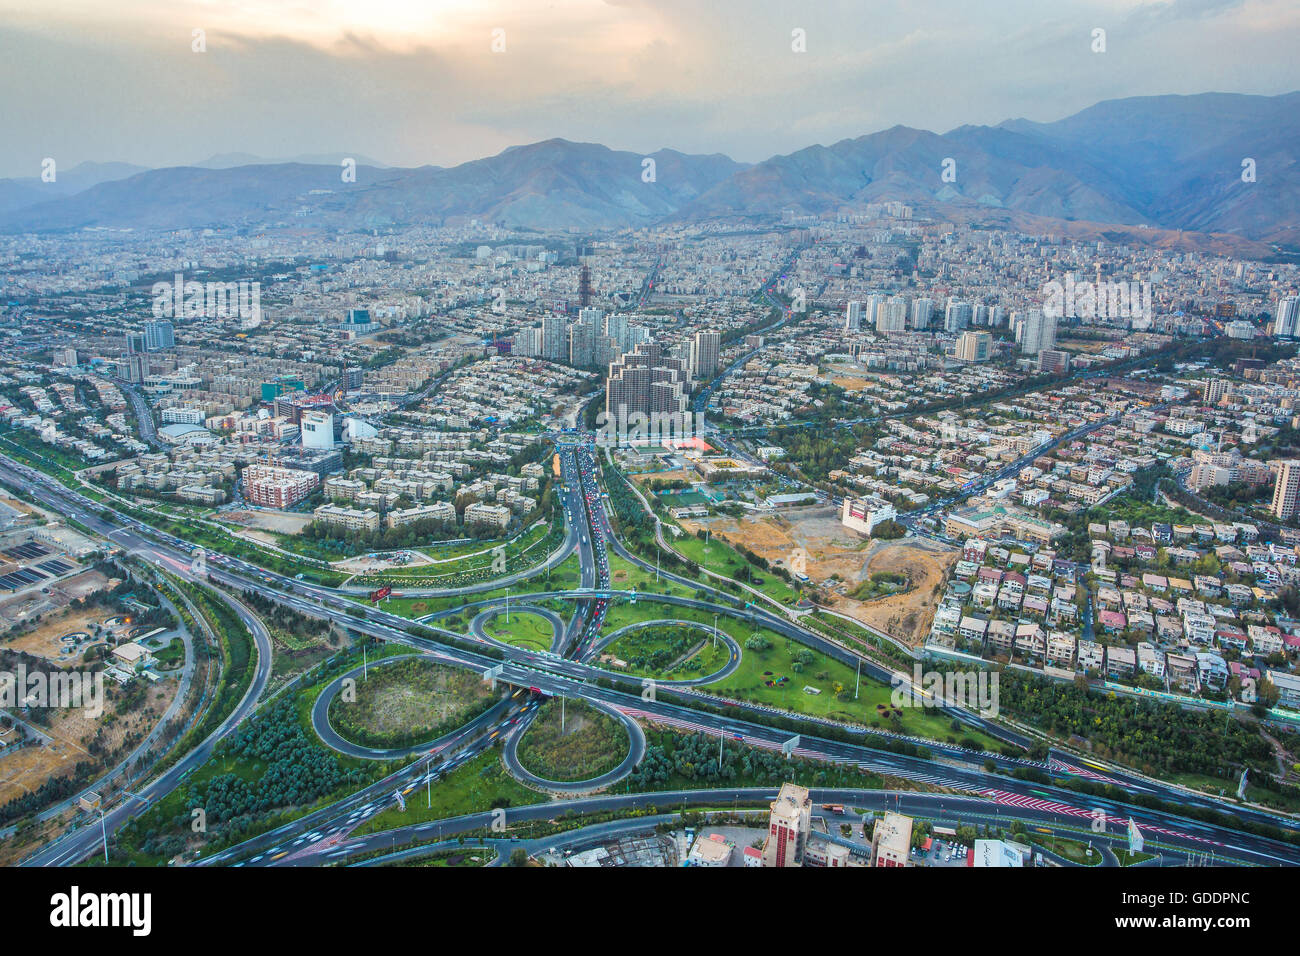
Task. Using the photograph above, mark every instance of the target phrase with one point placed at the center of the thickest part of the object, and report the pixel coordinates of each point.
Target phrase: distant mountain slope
(1172, 162)
(30, 190)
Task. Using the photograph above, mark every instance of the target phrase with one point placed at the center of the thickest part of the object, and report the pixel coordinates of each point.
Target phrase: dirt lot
(833, 550)
(906, 616)
(43, 640)
(281, 522)
(23, 608)
(362, 564)
(830, 548)
(71, 731)
(853, 379)
(20, 506)
(649, 476)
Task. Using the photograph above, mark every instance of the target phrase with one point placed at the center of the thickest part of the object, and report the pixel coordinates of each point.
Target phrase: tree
(518, 856)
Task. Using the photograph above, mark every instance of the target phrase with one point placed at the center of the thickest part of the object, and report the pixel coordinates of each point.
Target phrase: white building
(865, 514)
(317, 430)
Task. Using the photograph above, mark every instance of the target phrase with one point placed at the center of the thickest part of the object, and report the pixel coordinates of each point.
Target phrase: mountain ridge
(1172, 162)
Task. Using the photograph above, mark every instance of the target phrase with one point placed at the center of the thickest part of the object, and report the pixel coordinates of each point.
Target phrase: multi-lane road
(554, 675)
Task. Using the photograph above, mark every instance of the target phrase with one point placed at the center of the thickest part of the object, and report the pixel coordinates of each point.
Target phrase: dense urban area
(859, 540)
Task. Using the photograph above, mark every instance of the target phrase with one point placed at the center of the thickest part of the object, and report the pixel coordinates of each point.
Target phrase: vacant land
(840, 562)
(785, 674)
(278, 522)
(812, 535)
(27, 606)
(905, 615)
(76, 738)
(44, 640)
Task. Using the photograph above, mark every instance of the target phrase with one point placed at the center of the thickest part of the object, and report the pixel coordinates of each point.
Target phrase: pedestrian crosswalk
(1026, 802)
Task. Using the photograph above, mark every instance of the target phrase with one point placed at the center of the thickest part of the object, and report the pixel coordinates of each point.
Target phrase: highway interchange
(566, 669)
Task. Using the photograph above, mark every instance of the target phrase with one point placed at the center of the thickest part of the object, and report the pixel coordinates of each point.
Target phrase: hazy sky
(416, 81)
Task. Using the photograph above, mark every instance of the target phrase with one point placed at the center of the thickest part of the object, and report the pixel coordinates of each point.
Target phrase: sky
(410, 82)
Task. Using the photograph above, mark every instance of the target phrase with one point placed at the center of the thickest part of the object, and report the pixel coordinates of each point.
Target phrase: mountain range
(1163, 162)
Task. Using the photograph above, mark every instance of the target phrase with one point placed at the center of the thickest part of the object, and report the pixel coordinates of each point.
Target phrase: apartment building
(274, 487)
(788, 827)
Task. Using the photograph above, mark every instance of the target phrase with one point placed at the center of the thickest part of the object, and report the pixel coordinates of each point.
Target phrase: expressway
(76, 845)
(949, 809)
(554, 677)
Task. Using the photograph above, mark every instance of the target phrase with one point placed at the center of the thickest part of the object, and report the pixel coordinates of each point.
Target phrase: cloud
(414, 82)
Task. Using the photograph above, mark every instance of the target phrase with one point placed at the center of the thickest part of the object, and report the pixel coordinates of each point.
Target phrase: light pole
(103, 829)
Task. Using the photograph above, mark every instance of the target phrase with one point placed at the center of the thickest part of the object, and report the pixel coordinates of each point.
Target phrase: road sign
(491, 674)
(788, 748)
(1134, 837)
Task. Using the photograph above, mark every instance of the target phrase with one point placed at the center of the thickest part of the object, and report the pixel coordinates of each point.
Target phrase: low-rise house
(1183, 672)
(1091, 655)
(1060, 649)
(1151, 659)
(1120, 662)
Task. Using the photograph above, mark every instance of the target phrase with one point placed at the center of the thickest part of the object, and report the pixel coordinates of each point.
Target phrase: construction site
(839, 562)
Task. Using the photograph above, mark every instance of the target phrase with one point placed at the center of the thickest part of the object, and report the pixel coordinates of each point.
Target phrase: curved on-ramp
(320, 721)
(733, 649)
(635, 754)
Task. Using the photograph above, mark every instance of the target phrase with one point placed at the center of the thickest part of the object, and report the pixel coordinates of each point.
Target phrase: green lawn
(524, 630)
(171, 655)
(719, 557)
(1130, 859)
(623, 612)
(626, 576)
(834, 680)
(642, 645)
(1287, 800)
(475, 556)
(1076, 851)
